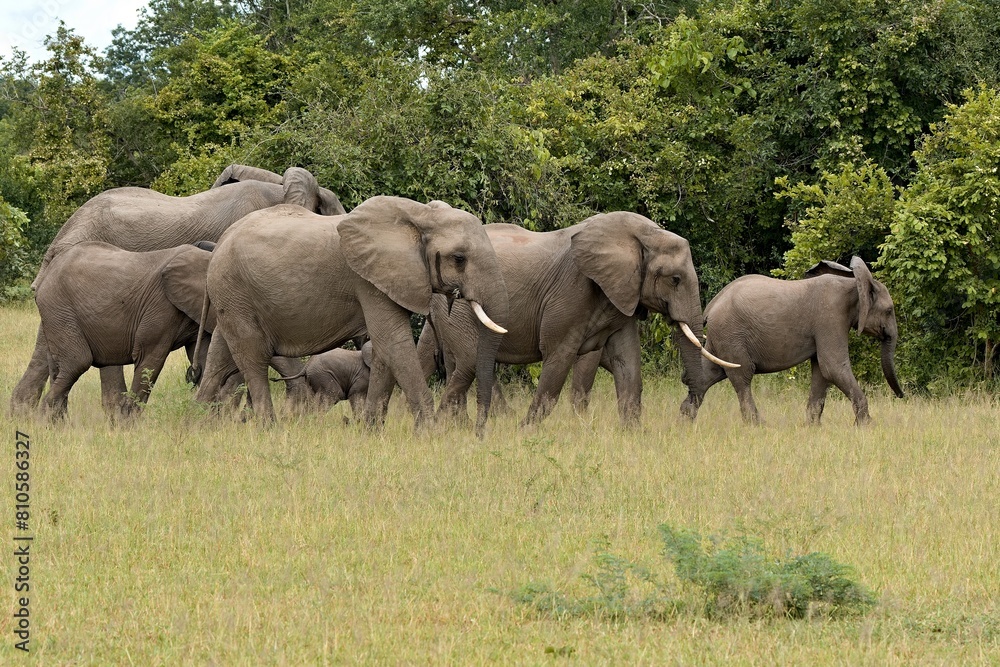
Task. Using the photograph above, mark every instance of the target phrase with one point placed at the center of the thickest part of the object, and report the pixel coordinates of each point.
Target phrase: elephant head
(410, 250)
(299, 185)
(876, 312)
(635, 262)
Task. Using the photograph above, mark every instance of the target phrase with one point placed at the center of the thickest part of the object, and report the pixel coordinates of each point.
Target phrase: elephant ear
(866, 290)
(329, 203)
(366, 354)
(383, 243)
(826, 267)
(236, 173)
(607, 251)
(183, 280)
(300, 188)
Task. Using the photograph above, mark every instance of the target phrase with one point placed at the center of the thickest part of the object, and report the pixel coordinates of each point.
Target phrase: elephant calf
(768, 325)
(335, 376)
(105, 307)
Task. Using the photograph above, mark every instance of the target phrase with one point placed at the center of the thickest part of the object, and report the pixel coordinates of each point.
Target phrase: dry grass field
(188, 539)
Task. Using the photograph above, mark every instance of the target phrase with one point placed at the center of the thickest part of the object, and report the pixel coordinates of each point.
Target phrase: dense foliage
(769, 134)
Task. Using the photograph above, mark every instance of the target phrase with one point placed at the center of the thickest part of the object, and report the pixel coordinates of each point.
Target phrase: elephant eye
(459, 258)
(676, 280)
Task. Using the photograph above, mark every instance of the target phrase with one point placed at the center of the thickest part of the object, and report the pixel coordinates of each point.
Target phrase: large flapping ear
(866, 289)
(329, 203)
(826, 267)
(382, 241)
(183, 280)
(608, 250)
(235, 173)
(366, 354)
(300, 188)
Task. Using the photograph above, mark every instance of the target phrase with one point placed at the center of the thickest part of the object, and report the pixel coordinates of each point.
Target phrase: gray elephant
(334, 376)
(574, 291)
(138, 219)
(769, 325)
(89, 323)
(287, 282)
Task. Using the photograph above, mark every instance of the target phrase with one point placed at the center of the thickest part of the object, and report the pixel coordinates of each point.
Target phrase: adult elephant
(770, 325)
(102, 306)
(574, 291)
(287, 282)
(139, 220)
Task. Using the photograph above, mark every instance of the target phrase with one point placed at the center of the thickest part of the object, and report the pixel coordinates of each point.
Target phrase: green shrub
(615, 597)
(737, 577)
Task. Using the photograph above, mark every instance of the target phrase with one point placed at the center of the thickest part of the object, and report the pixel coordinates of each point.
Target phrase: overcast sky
(25, 23)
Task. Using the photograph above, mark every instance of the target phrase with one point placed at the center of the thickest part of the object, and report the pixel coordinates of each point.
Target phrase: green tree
(942, 260)
(224, 86)
(55, 142)
(847, 213)
(14, 264)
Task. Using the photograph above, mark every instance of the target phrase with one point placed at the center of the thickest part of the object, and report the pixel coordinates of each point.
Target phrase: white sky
(25, 23)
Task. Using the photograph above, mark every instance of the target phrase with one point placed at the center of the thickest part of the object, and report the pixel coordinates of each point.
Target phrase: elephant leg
(29, 388)
(148, 365)
(622, 354)
(499, 405)
(380, 384)
(57, 400)
(584, 374)
(297, 390)
(221, 373)
(555, 369)
(392, 342)
(427, 350)
(253, 360)
(233, 391)
(836, 367)
(113, 390)
(817, 393)
(741, 378)
(454, 399)
(357, 403)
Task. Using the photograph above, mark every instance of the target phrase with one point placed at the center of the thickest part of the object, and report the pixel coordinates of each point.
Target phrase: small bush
(616, 597)
(738, 577)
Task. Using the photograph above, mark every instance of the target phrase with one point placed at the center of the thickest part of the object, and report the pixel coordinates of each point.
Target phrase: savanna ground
(183, 539)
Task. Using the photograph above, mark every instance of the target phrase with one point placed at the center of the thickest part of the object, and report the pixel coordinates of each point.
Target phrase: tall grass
(185, 539)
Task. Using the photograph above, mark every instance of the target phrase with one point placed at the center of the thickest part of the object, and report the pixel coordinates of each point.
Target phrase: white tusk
(485, 319)
(705, 353)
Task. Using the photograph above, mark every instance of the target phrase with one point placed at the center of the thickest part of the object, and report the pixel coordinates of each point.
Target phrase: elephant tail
(282, 378)
(195, 370)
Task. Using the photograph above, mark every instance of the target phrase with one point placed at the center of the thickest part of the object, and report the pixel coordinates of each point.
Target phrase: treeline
(770, 133)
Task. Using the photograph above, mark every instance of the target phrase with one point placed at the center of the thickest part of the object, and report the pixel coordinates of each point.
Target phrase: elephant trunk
(889, 366)
(692, 374)
(496, 307)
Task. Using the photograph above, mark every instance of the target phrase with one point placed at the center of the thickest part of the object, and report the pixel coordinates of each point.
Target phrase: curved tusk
(705, 353)
(485, 319)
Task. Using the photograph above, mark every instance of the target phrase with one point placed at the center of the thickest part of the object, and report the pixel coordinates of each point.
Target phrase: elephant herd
(263, 270)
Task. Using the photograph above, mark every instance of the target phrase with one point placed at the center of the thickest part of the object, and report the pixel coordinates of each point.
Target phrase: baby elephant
(102, 306)
(337, 375)
(768, 325)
